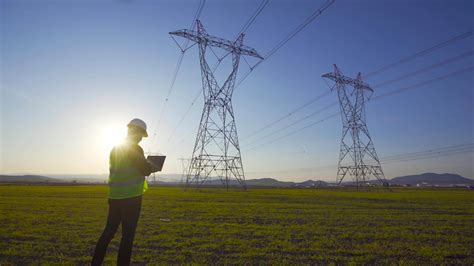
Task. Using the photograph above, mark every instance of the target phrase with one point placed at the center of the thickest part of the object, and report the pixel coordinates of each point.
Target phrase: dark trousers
(127, 212)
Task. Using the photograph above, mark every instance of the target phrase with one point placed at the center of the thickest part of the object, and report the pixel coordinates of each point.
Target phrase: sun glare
(111, 136)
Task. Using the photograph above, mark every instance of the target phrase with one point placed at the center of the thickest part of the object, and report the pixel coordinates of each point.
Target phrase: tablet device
(157, 160)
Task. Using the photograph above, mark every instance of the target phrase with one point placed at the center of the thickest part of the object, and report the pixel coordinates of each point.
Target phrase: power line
(244, 28)
(176, 71)
(442, 63)
(288, 37)
(415, 154)
(419, 155)
(294, 132)
(288, 114)
(450, 60)
(374, 98)
(464, 55)
(420, 53)
(294, 170)
(447, 61)
(435, 155)
(431, 155)
(296, 122)
(455, 73)
(303, 25)
(185, 114)
(252, 18)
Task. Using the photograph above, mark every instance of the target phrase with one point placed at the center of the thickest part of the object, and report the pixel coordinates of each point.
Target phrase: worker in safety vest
(128, 168)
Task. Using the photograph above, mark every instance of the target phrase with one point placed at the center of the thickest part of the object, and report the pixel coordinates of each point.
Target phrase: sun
(112, 135)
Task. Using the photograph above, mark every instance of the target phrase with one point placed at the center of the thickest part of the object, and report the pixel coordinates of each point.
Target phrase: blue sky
(73, 73)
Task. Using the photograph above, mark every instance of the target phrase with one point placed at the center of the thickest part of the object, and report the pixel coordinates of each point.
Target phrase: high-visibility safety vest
(126, 179)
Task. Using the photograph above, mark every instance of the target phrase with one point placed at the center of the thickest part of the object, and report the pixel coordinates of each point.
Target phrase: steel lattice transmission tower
(357, 157)
(216, 151)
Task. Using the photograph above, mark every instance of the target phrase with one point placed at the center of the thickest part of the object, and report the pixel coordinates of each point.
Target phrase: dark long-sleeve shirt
(135, 154)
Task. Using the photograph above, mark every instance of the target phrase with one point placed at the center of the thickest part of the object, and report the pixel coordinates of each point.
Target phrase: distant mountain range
(27, 178)
(432, 179)
(271, 182)
(429, 179)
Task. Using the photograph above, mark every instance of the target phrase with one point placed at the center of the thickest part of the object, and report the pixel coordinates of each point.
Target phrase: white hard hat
(140, 124)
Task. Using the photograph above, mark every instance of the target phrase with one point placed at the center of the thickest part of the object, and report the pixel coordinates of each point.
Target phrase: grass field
(60, 225)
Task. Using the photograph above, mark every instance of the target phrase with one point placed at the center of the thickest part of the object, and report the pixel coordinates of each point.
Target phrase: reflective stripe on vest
(128, 182)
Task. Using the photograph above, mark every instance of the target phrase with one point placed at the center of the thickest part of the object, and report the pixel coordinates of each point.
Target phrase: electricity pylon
(216, 151)
(357, 148)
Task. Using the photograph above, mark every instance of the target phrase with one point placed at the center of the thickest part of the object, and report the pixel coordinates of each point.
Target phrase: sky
(74, 73)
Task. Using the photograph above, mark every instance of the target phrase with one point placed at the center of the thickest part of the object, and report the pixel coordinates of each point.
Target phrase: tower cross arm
(233, 47)
(337, 77)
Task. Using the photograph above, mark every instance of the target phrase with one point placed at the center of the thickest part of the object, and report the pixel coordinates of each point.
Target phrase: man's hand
(154, 168)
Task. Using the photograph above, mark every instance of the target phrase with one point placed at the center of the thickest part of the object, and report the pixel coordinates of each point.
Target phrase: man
(128, 168)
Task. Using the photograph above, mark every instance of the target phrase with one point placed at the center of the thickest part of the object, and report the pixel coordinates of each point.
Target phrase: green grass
(61, 224)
